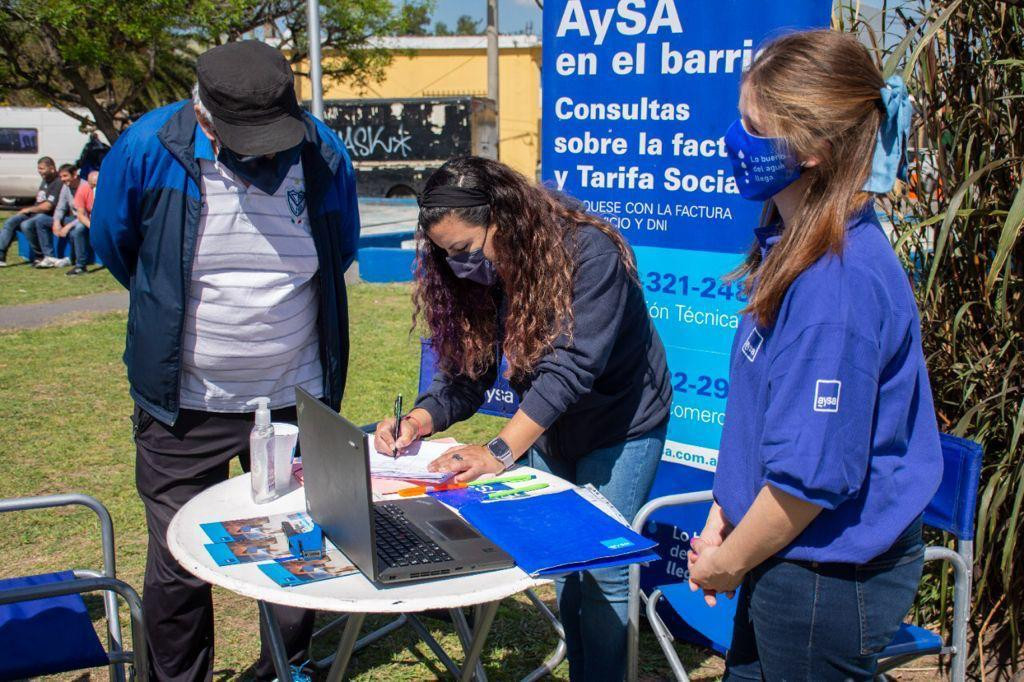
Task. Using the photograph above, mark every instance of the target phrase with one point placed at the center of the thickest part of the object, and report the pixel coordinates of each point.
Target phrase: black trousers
(172, 465)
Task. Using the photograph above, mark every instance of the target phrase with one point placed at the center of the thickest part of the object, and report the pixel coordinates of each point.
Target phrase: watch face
(499, 449)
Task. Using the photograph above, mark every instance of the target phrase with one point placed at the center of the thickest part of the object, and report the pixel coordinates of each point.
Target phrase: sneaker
(62, 263)
(3, 264)
(77, 270)
(47, 262)
(299, 675)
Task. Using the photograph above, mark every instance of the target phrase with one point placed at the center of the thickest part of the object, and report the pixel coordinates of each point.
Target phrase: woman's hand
(415, 425)
(469, 462)
(384, 437)
(710, 573)
(716, 529)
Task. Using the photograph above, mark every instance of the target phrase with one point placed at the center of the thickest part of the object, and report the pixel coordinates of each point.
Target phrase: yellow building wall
(448, 72)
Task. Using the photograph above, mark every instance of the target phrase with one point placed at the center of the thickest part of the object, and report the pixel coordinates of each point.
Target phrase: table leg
(558, 655)
(349, 637)
(272, 631)
(421, 631)
(481, 628)
(466, 637)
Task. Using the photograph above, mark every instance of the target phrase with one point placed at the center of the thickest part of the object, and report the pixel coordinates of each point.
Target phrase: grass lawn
(65, 410)
(20, 283)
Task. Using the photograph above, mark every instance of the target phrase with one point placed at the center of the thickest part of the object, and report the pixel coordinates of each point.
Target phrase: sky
(513, 15)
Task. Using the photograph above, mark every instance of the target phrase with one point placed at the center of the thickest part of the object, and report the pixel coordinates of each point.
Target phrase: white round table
(352, 594)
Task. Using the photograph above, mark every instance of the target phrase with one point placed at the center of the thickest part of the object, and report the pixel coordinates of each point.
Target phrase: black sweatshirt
(609, 384)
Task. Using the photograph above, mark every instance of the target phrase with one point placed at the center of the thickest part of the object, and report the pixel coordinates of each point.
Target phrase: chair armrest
(49, 501)
(960, 567)
(677, 500)
(81, 586)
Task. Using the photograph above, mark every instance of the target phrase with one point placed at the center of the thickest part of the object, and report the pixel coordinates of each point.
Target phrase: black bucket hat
(249, 90)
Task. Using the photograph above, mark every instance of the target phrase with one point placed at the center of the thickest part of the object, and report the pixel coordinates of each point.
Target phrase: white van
(27, 133)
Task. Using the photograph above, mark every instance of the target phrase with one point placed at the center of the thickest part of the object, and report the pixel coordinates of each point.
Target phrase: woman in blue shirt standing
(830, 450)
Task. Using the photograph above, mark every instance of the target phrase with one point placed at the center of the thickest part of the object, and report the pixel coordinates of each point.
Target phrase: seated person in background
(80, 231)
(64, 214)
(35, 220)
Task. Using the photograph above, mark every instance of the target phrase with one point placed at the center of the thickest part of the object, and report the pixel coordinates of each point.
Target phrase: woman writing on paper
(509, 268)
(830, 450)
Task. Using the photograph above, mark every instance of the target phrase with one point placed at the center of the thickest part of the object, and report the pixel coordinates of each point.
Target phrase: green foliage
(441, 29)
(119, 59)
(468, 26)
(958, 227)
(416, 19)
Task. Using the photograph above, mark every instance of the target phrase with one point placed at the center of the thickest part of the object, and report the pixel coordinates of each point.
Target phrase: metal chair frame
(91, 581)
(636, 595)
(961, 560)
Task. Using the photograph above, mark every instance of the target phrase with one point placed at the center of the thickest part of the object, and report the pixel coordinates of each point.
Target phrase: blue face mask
(762, 166)
(472, 265)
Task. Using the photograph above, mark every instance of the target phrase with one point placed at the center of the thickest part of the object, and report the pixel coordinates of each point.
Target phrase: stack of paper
(411, 463)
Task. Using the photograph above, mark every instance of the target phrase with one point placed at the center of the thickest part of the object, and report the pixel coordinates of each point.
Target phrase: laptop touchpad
(453, 529)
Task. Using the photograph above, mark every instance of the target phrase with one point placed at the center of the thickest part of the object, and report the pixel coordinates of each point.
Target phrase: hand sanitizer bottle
(261, 454)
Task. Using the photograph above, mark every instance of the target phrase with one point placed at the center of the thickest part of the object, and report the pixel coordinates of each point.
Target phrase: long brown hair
(819, 91)
(534, 243)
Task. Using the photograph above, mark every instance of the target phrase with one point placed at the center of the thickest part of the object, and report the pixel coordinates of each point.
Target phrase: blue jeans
(80, 243)
(39, 230)
(33, 225)
(593, 604)
(800, 620)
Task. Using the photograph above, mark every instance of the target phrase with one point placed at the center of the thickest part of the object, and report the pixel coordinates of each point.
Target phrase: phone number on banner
(685, 285)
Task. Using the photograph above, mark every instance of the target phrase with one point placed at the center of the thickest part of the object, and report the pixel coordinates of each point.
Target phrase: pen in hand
(398, 425)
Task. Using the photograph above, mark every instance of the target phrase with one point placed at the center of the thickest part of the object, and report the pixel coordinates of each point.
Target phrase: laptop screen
(335, 471)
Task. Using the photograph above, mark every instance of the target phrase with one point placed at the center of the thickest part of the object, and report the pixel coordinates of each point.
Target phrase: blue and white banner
(637, 95)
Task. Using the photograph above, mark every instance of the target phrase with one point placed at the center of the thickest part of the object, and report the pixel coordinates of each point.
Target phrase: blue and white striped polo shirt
(251, 321)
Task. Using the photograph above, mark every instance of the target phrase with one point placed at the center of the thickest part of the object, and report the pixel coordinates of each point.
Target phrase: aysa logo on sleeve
(752, 344)
(826, 395)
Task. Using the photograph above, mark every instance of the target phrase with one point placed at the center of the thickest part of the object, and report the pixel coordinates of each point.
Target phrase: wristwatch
(501, 452)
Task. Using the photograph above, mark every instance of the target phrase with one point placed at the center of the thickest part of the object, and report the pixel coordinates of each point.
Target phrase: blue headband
(890, 158)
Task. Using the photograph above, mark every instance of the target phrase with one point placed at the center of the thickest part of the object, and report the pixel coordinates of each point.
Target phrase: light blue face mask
(762, 166)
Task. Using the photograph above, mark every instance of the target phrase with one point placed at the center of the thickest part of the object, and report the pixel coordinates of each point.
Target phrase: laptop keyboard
(399, 543)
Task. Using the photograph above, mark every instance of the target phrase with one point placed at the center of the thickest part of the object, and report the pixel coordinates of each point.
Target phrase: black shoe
(77, 270)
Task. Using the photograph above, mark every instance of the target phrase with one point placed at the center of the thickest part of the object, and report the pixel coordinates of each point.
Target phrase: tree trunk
(105, 123)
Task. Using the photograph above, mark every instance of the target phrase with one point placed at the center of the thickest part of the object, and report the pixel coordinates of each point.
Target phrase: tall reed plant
(957, 226)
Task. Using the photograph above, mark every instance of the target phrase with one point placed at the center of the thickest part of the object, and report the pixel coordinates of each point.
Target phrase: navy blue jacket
(144, 226)
(606, 384)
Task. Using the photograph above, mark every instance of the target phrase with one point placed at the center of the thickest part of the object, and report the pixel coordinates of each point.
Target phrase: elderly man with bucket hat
(231, 218)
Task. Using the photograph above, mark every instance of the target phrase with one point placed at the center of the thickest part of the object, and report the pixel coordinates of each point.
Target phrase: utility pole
(315, 70)
(492, 67)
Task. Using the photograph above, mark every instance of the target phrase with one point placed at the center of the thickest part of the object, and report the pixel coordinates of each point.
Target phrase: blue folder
(558, 533)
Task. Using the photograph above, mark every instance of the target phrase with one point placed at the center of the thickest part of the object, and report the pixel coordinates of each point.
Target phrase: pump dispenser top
(262, 410)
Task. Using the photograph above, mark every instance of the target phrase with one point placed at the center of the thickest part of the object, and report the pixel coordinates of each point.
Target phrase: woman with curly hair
(509, 267)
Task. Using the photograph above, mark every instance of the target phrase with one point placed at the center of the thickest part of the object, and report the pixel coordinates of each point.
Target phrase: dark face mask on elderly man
(265, 172)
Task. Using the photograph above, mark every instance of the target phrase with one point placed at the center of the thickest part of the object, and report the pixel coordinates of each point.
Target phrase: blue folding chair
(35, 609)
(952, 510)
